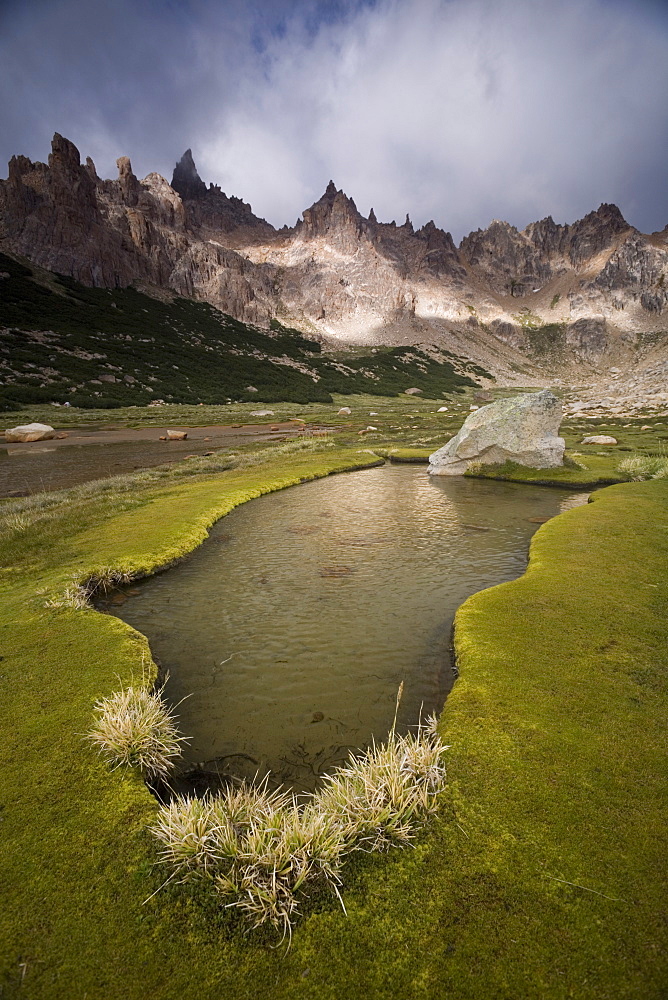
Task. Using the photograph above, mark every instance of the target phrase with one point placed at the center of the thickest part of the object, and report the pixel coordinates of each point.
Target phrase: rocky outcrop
(522, 429)
(508, 260)
(515, 262)
(639, 269)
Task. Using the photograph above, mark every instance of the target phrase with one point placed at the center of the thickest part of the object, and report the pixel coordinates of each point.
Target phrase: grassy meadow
(543, 873)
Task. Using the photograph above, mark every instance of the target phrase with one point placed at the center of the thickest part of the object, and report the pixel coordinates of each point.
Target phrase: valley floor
(544, 873)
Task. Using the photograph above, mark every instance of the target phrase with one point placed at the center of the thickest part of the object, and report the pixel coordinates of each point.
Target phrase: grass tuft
(641, 467)
(261, 851)
(136, 729)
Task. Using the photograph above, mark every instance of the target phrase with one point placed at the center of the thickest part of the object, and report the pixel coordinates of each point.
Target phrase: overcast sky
(456, 110)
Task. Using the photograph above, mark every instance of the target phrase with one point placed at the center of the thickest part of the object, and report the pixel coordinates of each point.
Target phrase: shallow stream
(289, 631)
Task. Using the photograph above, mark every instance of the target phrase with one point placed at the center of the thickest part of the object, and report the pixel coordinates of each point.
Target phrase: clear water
(291, 628)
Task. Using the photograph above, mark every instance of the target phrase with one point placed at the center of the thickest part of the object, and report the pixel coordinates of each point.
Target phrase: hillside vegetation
(94, 347)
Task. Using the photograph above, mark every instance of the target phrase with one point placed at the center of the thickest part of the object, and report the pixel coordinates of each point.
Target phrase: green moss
(528, 320)
(594, 470)
(556, 772)
(417, 455)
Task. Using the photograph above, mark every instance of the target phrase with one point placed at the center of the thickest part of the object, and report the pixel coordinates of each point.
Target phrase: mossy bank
(544, 874)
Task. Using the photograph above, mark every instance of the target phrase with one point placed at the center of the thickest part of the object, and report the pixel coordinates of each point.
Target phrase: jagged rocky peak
(64, 154)
(545, 234)
(441, 257)
(185, 178)
(128, 183)
(597, 231)
(499, 239)
(334, 212)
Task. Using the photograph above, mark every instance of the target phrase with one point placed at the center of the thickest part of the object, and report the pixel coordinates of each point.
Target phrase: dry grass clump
(640, 467)
(78, 595)
(261, 851)
(256, 847)
(74, 596)
(136, 729)
(380, 798)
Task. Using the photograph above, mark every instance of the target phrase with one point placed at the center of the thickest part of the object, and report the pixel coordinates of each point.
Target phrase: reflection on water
(293, 626)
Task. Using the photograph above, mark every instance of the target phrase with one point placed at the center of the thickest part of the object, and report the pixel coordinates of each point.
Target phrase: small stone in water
(336, 571)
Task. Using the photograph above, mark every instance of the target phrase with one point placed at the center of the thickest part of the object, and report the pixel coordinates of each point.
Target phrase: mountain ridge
(578, 294)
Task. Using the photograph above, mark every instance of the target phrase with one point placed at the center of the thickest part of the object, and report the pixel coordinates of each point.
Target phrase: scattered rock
(274, 427)
(442, 409)
(177, 435)
(60, 436)
(317, 717)
(262, 413)
(370, 428)
(599, 439)
(520, 429)
(474, 407)
(372, 413)
(646, 427)
(413, 392)
(30, 432)
(345, 411)
(251, 388)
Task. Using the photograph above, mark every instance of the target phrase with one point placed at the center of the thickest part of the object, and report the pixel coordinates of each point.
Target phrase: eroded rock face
(29, 432)
(555, 294)
(521, 429)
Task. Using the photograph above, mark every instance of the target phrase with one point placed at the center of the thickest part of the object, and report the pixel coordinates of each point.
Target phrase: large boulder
(29, 432)
(521, 429)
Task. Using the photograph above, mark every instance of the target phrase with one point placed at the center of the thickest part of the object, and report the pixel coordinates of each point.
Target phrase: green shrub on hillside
(105, 348)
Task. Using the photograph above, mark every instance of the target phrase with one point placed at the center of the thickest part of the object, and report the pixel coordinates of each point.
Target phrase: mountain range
(551, 297)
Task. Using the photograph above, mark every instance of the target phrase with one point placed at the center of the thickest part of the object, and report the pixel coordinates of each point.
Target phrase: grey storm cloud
(456, 110)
